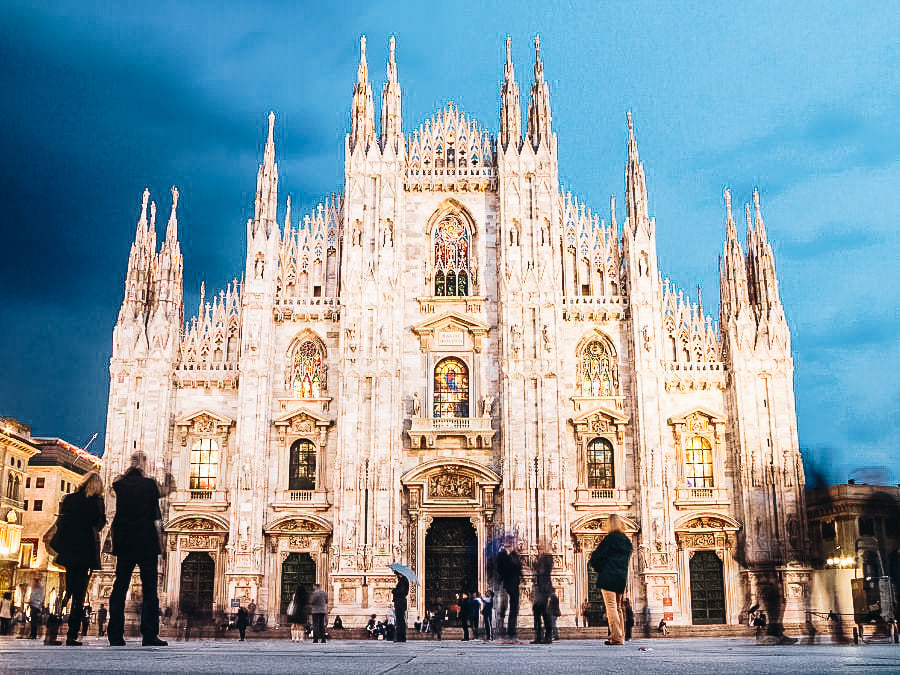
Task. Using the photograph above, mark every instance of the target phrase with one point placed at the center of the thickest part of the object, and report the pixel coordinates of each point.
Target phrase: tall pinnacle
(539, 104)
(172, 226)
(510, 113)
(362, 115)
(390, 105)
(635, 187)
(733, 288)
(267, 180)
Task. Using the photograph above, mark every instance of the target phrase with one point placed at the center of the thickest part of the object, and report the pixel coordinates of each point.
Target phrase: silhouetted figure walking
(401, 590)
(509, 567)
(135, 542)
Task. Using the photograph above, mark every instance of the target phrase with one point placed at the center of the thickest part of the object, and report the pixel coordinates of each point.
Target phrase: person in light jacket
(610, 562)
(318, 607)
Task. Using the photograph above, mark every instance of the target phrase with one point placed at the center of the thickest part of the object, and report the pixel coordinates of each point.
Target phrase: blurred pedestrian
(629, 618)
(543, 587)
(509, 567)
(101, 620)
(318, 606)
(487, 613)
(437, 621)
(401, 590)
(297, 613)
(85, 619)
(555, 613)
(35, 607)
(5, 613)
(242, 621)
(135, 541)
(610, 562)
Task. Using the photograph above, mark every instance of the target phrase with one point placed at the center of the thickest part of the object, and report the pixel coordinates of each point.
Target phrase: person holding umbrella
(400, 591)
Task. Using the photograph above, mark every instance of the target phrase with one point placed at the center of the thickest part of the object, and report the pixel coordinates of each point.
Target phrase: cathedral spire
(510, 113)
(267, 183)
(362, 116)
(172, 225)
(733, 289)
(762, 261)
(391, 133)
(539, 103)
(635, 187)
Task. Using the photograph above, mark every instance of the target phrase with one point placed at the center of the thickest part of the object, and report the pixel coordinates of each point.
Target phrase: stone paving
(670, 656)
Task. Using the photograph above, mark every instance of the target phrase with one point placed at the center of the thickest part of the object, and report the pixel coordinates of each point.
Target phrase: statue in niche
(388, 234)
(356, 239)
(416, 405)
(259, 267)
(486, 405)
(245, 480)
(545, 335)
(516, 337)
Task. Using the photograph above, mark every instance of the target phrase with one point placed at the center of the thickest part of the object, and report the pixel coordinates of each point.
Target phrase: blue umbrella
(400, 568)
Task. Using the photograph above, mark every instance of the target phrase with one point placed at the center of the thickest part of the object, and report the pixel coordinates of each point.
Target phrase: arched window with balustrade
(600, 465)
(204, 464)
(698, 462)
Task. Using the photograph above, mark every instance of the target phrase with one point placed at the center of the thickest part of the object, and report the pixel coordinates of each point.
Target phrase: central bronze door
(297, 568)
(198, 573)
(707, 588)
(451, 561)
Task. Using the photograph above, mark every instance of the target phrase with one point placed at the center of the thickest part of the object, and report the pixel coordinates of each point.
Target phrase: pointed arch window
(451, 388)
(452, 271)
(307, 371)
(698, 470)
(204, 464)
(598, 372)
(302, 469)
(600, 469)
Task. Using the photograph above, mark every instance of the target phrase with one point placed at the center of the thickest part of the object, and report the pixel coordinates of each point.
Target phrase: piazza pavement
(671, 656)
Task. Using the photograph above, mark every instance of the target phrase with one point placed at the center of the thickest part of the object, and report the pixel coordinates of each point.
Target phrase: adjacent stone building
(453, 351)
(16, 448)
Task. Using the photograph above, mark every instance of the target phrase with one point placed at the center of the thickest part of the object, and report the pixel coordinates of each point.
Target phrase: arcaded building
(451, 351)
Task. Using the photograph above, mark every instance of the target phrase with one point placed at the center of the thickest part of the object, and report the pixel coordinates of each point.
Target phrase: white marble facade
(581, 383)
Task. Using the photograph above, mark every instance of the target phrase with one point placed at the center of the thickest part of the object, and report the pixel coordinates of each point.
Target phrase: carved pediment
(294, 525)
(193, 523)
(303, 420)
(203, 423)
(698, 419)
(596, 524)
(600, 420)
(451, 329)
(708, 521)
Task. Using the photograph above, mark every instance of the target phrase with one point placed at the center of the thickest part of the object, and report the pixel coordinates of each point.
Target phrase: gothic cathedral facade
(452, 353)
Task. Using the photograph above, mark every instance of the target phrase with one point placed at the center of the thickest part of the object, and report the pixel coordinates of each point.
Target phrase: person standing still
(36, 607)
(5, 613)
(401, 590)
(135, 541)
(101, 620)
(318, 606)
(610, 562)
(509, 567)
(555, 613)
(629, 618)
(241, 622)
(487, 612)
(543, 587)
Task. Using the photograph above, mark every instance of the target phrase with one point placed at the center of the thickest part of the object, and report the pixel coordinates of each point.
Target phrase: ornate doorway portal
(451, 560)
(297, 568)
(707, 588)
(197, 580)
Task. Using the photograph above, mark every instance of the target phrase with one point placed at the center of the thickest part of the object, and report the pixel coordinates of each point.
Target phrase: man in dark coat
(543, 588)
(401, 590)
(135, 541)
(82, 515)
(610, 562)
(509, 568)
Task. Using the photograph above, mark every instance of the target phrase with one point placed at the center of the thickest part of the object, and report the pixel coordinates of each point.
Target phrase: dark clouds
(104, 99)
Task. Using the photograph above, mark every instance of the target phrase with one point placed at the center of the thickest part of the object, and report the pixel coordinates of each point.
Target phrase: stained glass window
(599, 374)
(302, 466)
(204, 464)
(308, 374)
(451, 257)
(600, 465)
(451, 389)
(698, 462)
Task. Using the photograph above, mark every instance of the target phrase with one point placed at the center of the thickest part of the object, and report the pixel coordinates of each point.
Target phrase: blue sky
(799, 99)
